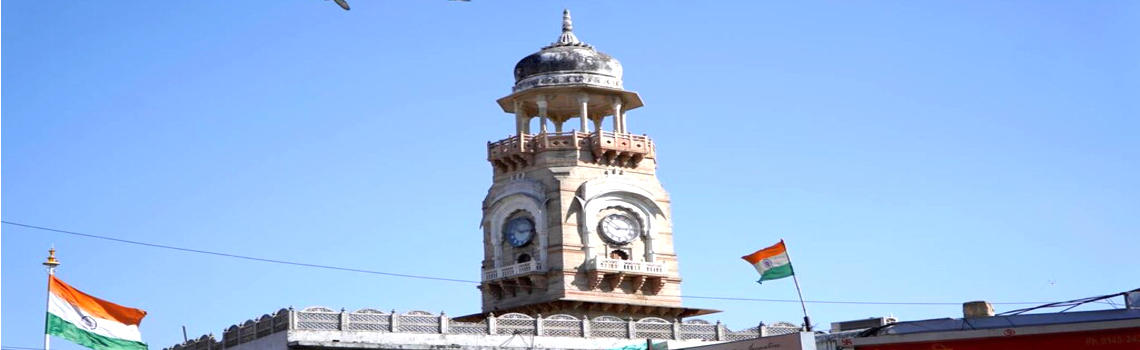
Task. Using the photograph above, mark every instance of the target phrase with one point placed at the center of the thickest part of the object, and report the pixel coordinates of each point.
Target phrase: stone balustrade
(638, 273)
(626, 266)
(619, 149)
(520, 269)
(422, 322)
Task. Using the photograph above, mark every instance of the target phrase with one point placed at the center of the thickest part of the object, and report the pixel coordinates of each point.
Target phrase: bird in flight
(343, 4)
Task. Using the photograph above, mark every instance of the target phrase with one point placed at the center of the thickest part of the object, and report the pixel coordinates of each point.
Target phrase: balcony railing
(516, 152)
(626, 266)
(520, 269)
(623, 142)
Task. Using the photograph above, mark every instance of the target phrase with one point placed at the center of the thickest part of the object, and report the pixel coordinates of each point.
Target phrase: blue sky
(907, 151)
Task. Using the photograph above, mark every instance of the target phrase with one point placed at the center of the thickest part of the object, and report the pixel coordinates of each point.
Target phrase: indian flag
(772, 262)
(90, 321)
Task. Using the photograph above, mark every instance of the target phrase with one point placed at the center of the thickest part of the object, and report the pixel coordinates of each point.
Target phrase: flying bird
(343, 4)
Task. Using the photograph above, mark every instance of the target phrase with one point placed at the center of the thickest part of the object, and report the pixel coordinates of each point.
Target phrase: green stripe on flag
(58, 327)
(777, 272)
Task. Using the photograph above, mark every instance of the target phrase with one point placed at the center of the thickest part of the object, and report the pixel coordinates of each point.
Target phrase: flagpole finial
(51, 262)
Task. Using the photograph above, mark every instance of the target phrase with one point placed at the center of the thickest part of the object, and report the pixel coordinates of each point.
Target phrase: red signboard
(1115, 339)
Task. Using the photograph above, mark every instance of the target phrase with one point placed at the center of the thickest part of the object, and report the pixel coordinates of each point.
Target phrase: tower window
(523, 258)
(618, 254)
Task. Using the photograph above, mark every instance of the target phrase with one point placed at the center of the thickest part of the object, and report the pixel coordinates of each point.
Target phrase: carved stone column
(584, 100)
(624, 128)
(617, 115)
(542, 114)
(522, 122)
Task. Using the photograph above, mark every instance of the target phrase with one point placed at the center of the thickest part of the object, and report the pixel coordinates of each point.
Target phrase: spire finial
(567, 38)
(51, 262)
(567, 24)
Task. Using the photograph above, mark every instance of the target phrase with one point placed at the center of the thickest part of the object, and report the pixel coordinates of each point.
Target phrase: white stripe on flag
(75, 316)
(773, 261)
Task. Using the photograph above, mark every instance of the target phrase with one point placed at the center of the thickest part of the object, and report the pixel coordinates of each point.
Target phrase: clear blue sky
(907, 151)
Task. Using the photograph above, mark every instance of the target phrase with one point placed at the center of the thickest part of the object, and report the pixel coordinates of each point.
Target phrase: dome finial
(567, 38)
(567, 25)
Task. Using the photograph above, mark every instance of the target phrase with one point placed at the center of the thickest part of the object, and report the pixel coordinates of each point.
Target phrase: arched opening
(523, 258)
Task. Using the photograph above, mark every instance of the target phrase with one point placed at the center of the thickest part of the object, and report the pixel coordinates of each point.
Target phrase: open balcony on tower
(511, 279)
(556, 130)
(601, 147)
(615, 271)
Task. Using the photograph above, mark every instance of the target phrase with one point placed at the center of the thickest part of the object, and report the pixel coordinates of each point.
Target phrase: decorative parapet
(621, 149)
(205, 342)
(639, 273)
(626, 266)
(520, 269)
(511, 279)
(423, 322)
(617, 149)
(512, 153)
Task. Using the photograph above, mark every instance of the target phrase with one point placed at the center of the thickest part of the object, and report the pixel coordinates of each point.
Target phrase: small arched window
(523, 258)
(618, 254)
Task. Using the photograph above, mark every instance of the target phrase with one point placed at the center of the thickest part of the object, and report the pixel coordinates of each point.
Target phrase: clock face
(519, 231)
(619, 228)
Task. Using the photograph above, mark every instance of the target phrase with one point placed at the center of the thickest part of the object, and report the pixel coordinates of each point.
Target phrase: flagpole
(51, 263)
(807, 320)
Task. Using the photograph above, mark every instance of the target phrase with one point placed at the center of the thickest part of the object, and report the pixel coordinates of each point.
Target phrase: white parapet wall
(320, 327)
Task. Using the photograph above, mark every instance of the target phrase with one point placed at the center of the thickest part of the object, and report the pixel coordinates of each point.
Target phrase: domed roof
(567, 62)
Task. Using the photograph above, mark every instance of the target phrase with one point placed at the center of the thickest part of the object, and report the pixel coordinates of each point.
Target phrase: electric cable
(444, 279)
(238, 256)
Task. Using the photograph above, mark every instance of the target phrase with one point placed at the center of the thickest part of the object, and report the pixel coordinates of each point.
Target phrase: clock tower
(576, 221)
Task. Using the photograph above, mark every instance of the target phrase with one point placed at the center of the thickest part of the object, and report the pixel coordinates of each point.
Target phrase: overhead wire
(236, 256)
(444, 279)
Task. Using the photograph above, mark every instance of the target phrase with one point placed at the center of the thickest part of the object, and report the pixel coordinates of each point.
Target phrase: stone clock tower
(576, 221)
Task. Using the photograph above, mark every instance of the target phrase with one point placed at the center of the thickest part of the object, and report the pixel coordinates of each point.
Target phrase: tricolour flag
(772, 262)
(90, 321)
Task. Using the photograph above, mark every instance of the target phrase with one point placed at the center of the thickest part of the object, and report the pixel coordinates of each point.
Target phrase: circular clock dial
(619, 228)
(519, 231)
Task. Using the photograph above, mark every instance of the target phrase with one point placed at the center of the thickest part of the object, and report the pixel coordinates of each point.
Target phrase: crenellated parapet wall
(322, 319)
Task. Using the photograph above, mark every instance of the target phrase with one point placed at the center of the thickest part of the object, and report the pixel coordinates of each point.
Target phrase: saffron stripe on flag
(757, 257)
(94, 306)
